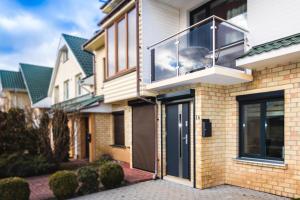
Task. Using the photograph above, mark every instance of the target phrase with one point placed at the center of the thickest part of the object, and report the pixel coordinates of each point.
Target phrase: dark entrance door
(178, 140)
(87, 137)
(143, 137)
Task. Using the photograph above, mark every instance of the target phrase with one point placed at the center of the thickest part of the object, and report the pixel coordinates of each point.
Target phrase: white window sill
(275, 164)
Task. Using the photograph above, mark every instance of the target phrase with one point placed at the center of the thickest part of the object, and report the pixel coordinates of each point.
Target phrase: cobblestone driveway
(163, 190)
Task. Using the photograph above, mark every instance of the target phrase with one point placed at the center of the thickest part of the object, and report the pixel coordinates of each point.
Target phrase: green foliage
(102, 160)
(24, 165)
(63, 184)
(44, 137)
(88, 179)
(14, 189)
(15, 136)
(61, 136)
(111, 175)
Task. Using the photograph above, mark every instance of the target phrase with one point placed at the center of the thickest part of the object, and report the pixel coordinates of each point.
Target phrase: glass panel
(251, 128)
(122, 45)
(275, 129)
(111, 51)
(132, 38)
(229, 44)
(195, 49)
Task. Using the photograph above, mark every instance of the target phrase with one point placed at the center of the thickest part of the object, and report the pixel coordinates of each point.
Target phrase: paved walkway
(163, 190)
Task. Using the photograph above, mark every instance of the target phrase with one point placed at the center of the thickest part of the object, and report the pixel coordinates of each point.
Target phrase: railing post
(177, 57)
(214, 41)
(152, 65)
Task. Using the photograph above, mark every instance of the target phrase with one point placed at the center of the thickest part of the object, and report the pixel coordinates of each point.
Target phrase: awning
(78, 103)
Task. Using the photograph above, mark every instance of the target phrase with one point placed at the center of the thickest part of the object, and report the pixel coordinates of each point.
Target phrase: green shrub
(63, 184)
(111, 175)
(14, 189)
(102, 160)
(24, 165)
(88, 179)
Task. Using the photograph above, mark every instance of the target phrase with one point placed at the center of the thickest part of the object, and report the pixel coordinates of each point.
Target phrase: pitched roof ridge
(34, 65)
(68, 35)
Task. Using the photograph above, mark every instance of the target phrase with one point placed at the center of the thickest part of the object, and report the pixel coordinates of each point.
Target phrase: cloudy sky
(30, 29)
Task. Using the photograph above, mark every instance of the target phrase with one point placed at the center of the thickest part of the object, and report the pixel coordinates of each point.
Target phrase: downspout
(138, 84)
(94, 72)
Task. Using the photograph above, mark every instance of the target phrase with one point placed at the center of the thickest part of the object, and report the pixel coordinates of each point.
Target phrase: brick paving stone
(164, 190)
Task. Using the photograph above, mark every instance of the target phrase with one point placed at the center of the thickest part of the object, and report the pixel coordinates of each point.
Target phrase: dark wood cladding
(119, 135)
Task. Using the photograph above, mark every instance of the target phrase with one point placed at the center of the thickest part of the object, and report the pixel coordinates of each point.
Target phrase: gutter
(138, 87)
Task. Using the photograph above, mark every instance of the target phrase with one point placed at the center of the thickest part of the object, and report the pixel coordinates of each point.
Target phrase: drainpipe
(138, 85)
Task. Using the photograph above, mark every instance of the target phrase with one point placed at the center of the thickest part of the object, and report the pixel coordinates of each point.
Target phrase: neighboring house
(72, 89)
(208, 89)
(13, 93)
(37, 81)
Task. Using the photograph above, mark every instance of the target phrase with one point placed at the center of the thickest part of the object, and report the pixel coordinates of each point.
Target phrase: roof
(85, 59)
(273, 45)
(78, 103)
(37, 80)
(11, 80)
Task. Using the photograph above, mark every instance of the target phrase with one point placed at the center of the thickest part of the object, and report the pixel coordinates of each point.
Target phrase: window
(262, 125)
(119, 138)
(66, 90)
(64, 55)
(233, 11)
(77, 84)
(122, 44)
(56, 94)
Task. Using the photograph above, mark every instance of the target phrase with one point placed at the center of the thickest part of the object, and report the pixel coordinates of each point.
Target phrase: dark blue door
(178, 140)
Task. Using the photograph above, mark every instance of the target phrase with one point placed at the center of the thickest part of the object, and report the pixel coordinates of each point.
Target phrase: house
(72, 89)
(204, 93)
(13, 93)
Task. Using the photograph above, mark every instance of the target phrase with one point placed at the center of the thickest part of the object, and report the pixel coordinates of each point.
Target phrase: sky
(30, 30)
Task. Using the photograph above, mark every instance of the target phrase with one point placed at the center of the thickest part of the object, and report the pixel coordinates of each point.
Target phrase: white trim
(268, 57)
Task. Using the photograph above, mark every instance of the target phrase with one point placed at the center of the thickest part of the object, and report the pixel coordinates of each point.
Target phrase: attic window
(64, 55)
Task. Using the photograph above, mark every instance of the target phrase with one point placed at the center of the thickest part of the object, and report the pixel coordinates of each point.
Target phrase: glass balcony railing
(211, 42)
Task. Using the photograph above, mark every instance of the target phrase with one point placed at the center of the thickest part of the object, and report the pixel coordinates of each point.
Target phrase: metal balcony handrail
(196, 24)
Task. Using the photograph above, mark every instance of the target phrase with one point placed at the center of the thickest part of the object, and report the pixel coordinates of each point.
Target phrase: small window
(64, 55)
(56, 94)
(77, 84)
(66, 90)
(262, 126)
(119, 137)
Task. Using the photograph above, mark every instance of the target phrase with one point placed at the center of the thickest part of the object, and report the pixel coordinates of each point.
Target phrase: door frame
(184, 101)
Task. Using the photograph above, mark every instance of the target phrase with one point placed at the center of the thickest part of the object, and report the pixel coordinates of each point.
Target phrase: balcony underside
(215, 75)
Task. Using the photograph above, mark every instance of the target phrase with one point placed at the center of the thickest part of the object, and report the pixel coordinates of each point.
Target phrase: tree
(44, 137)
(3, 125)
(61, 136)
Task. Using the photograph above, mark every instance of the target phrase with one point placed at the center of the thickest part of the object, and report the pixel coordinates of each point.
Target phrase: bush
(63, 184)
(14, 188)
(102, 160)
(111, 175)
(24, 165)
(88, 179)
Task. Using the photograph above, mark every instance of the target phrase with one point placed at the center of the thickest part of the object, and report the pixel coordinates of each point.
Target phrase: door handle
(186, 138)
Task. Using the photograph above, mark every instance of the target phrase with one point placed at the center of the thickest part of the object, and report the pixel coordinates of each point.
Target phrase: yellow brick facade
(216, 156)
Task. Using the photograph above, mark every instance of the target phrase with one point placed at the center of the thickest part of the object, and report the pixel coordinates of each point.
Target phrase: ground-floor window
(119, 136)
(261, 125)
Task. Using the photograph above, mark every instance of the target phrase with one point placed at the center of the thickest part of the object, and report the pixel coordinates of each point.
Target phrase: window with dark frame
(261, 125)
(121, 40)
(119, 132)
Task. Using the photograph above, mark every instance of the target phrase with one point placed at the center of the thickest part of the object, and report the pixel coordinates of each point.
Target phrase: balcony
(202, 53)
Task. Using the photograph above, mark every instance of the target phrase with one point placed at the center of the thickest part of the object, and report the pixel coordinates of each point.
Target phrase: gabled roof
(37, 80)
(11, 80)
(273, 45)
(85, 59)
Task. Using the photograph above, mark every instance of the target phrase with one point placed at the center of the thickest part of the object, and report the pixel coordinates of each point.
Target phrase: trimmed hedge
(63, 184)
(88, 179)
(24, 165)
(14, 189)
(111, 175)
